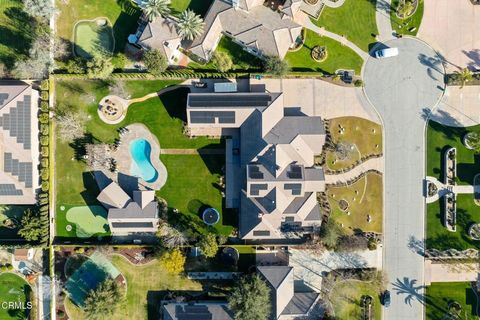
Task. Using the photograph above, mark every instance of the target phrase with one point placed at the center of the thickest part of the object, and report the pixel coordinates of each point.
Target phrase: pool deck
(124, 158)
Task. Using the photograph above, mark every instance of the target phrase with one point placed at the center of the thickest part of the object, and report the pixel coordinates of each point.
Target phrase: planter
(319, 53)
(411, 13)
(474, 231)
(471, 140)
(343, 205)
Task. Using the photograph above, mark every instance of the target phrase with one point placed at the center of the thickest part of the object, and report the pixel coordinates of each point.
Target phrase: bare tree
(171, 237)
(71, 125)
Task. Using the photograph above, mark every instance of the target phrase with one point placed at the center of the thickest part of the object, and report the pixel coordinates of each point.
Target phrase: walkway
(193, 151)
(383, 20)
(458, 107)
(446, 272)
(324, 33)
(371, 164)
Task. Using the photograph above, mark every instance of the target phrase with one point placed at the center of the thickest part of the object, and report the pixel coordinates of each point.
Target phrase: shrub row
(454, 79)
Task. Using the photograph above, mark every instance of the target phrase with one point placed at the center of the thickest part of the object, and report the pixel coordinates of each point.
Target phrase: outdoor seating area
(112, 109)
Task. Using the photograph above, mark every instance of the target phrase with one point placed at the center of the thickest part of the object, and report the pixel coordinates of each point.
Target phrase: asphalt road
(404, 89)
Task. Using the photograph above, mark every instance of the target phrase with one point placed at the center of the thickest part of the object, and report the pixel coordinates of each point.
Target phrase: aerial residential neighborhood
(239, 159)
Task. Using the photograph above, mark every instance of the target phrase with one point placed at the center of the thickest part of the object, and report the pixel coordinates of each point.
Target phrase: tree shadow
(125, 25)
(408, 288)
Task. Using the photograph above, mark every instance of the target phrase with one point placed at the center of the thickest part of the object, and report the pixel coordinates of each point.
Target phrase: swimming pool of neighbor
(140, 150)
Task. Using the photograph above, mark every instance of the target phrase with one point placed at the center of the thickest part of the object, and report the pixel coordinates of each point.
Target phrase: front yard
(351, 205)
(164, 117)
(355, 20)
(440, 299)
(339, 56)
(408, 26)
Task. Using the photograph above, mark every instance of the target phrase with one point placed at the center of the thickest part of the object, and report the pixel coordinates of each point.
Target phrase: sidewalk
(371, 164)
(438, 272)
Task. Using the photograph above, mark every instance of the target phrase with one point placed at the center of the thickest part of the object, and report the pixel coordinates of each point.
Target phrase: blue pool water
(140, 150)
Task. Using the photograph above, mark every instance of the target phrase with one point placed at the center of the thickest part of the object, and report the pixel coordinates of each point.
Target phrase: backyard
(440, 295)
(14, 289)
(355, 20)
(408, 26)
(355, 139)
(338, 56)
(346, 298)
(146, 286)
(14, 212)
(351, 205)
(163, 116)
(438, 237)
(440, 138)
(199, 7)
(16, 32)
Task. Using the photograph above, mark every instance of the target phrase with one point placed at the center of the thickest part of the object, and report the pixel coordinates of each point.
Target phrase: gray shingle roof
(289, 127)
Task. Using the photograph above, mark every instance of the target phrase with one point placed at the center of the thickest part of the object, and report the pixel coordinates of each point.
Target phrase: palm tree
(190, 25)
(405, 8)
(155, 8)
(465, 76)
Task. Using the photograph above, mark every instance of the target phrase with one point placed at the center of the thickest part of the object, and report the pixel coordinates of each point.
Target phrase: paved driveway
(402, 89)
(453, 28)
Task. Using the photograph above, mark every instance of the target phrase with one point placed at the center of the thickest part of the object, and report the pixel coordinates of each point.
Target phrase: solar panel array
(209, 116)
(18, 122)
(296, 188)
(230, 100)
(9, 190)
(21, 170)
(261, 233)
(194, 312)
(132, 224)
(254, 172)
(295, 172)
(256, 187)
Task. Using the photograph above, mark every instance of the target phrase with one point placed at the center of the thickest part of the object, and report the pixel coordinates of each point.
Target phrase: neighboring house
(19, 152)
(289, 299)
(270, 173)
(127, 215)
(263, 28)
(196, 311)
(160, 34)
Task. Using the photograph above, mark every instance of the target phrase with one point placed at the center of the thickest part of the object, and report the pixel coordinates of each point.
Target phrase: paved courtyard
(453, 28)
(403, 89)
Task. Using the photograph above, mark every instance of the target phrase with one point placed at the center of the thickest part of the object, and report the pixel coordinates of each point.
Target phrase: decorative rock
(68, 227)
(62, 208)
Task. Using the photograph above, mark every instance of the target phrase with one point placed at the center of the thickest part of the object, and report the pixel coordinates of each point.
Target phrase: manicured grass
(91, 39)
(164, 117)
(88, 221)
(439, 139)
(346, 298)
(122, 14)
(14, 289)
(437, 235)
(339, 56)
(355, 20)
(364, 134)
(364, 198)
(440, 294)
(402, 26)
(146, 286)
(13, 211)
(241, 59)
(190, 188)
(16, 32)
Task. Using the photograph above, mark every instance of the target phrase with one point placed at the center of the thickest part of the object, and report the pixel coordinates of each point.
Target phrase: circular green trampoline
(93, 37)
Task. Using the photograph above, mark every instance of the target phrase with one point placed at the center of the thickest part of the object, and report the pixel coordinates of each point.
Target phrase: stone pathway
(444, 272)
(383, 20)
(193, 151)
(371, 164)
(444, 189)
(344, 41)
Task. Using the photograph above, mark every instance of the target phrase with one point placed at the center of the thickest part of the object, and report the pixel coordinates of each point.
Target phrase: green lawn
(364, 197)
(14, 289)
(355, 20)
(199, 7)
(364, 134)
(146, 286)
(339, 56)
(122, 14)
(440, 138)
(190, 188)
(16, 32)
(439, 295)
(437, 235)
(242, 60)
(91, 39)
(402, 26)
(346, 296)
(163, 116)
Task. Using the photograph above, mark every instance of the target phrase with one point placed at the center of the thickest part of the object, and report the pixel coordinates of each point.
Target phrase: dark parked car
(200, 84)
(347, 76)
(386, 298)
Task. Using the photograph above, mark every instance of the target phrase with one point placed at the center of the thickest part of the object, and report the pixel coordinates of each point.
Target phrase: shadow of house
(91, 190)
(175, 102)
(125, 24)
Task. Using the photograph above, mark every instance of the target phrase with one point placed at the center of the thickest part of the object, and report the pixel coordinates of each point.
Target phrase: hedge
(45, 186)
(44, 86)
(454, 79)
(43, 118)
(44, 95)
(44, 107)
(45, 152)
(44, 163)
(44, 141)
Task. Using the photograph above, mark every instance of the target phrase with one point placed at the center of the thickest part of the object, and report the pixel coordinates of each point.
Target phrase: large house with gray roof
(262, 28)
(270, 148)
(19, 178)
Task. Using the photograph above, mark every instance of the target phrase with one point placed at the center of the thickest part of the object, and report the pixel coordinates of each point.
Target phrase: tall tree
(171, 237)
(173, 261)
(39, 8)
(465, 76)
(276, 66)
(330, 233)
(99, 67)
(102, 301)
(250, 299)
(155, 61)
(38, 63)
(222, 61)
(190, 25)
(71, 125)
(155, 8)
(208, 244)
(31, 228)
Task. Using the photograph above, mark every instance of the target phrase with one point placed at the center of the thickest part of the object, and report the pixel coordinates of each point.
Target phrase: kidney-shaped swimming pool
(140, 150)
